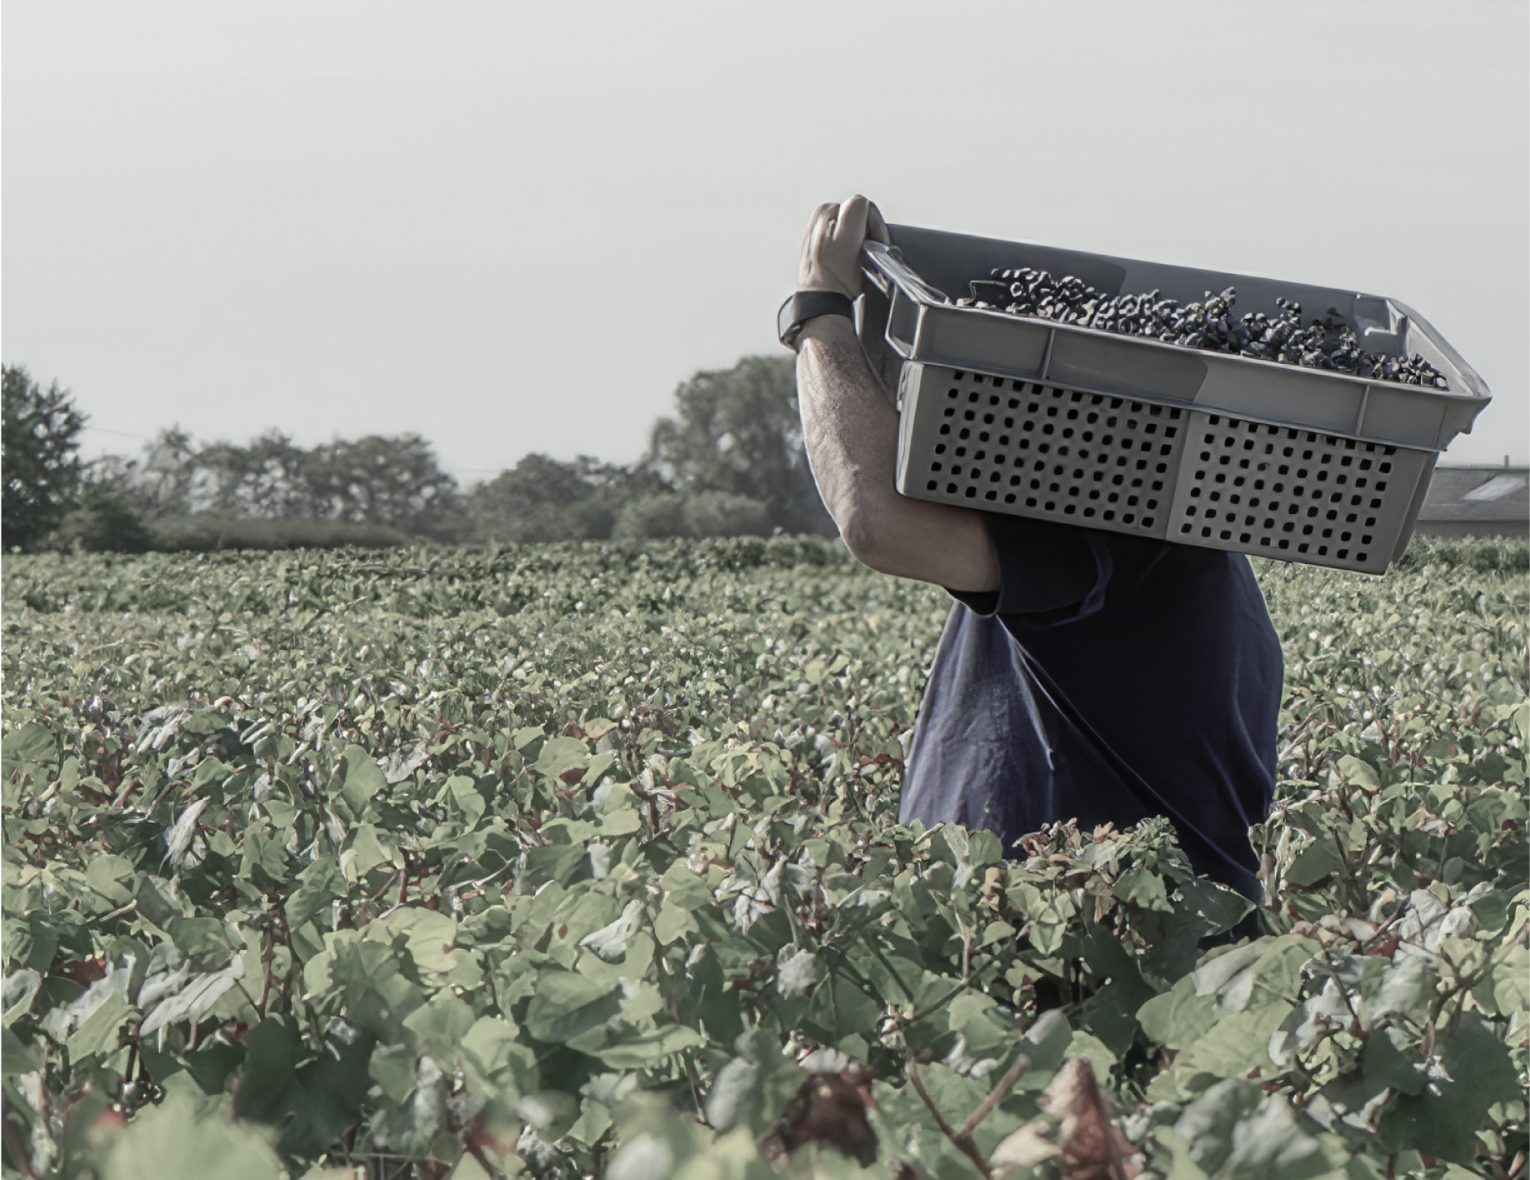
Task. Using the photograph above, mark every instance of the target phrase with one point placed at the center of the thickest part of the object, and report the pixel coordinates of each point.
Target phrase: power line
(123, 433)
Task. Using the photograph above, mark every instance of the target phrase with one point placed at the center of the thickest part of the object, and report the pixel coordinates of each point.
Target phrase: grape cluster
(1329, 343)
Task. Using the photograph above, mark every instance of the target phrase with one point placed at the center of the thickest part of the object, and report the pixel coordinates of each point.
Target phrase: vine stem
(963, 1138)
(962, 1141)
(997, 1094)
(965, 983)
(695, 1080)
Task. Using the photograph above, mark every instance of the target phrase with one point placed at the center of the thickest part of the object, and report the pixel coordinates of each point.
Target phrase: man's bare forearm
(848, 428)
(851, 435)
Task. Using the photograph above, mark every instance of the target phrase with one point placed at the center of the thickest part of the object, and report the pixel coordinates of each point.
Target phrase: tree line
(729, 462)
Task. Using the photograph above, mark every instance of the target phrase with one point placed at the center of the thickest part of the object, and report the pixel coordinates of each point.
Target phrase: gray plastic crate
(1025, 416)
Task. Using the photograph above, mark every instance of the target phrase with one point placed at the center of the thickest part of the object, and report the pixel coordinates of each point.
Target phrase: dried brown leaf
(1092, 1145)
(828, 1108)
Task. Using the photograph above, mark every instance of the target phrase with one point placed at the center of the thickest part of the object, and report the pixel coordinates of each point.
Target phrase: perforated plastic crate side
(1297, 495)
(1154, 469)
(1039, 450)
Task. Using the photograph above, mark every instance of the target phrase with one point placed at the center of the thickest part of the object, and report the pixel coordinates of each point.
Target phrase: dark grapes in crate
(1328, 343)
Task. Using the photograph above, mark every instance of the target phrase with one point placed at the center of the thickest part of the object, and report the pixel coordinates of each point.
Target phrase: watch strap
(807, 305)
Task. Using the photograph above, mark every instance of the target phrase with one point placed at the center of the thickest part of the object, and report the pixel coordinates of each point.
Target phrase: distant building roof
(1496, 494)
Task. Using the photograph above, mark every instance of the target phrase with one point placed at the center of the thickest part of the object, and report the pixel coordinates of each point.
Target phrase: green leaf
(1442, 1120)
(205, 941)
(320, 884)
(1362, 774)
(566, 1005)
(467, 804)
(492, 1046)
(1235, 1044)
(562, 754)
(358, 780)
(684, 888)
(15, 1057)
(326, 1095)
(1101, 1057)
(1207, 1124)
(645, 1050)
(441, 1023)
(1046, 1044)
(99, 1033)
(175, 1141)
(393, 1068)
(30, 745)
(21, 987)
(1506, 990)
(158, 900)
(430, 936)
(368, 851)
(984, 848)
(1386, 1065)
(1144, 888)
(1278, 972)
(273, 1049)
(204, 722)
(210, 772)
(1317, 859)
(1271, 1143)
(673, 922)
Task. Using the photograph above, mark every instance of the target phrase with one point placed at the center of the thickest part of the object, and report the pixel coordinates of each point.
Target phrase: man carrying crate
(1081, 673)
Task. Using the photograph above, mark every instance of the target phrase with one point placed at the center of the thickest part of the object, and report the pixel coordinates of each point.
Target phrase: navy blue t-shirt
(1109, 678)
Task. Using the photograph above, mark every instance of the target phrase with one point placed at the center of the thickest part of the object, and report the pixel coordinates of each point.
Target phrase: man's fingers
(817, 224)
(823, 232)
(833, 240)
(876, 227)
(823, 215)
(852, 219)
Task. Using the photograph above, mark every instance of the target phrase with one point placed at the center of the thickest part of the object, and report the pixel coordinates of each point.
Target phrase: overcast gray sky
(515, 227)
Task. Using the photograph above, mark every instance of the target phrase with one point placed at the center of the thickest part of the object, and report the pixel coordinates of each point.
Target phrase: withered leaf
(1092, 1145)
(828, 1108)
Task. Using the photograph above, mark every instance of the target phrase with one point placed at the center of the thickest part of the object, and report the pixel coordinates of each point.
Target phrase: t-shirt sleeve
(1047, 570)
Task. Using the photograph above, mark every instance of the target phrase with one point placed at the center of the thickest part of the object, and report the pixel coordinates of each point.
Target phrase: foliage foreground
(576, 860)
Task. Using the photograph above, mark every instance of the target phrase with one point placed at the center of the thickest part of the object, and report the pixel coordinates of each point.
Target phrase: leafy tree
(722, 514)
(377, 480)
(691, 514)
(737, 431)
(394, 483)
(651, 518)
(271, 477)
(544, 499)
(104, 519)
(39, 448)
(163, 481)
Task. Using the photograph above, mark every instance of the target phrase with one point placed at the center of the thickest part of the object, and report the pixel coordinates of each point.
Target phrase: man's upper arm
(932, 542)
(851, 435)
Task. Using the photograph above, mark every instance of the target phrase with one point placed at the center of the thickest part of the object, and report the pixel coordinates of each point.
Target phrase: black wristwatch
(807, 305)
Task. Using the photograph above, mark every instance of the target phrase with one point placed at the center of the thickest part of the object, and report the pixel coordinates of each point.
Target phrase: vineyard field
(583, 860)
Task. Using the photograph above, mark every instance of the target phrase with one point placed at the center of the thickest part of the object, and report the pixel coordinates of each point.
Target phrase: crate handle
(885, 265)
(907, 294)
